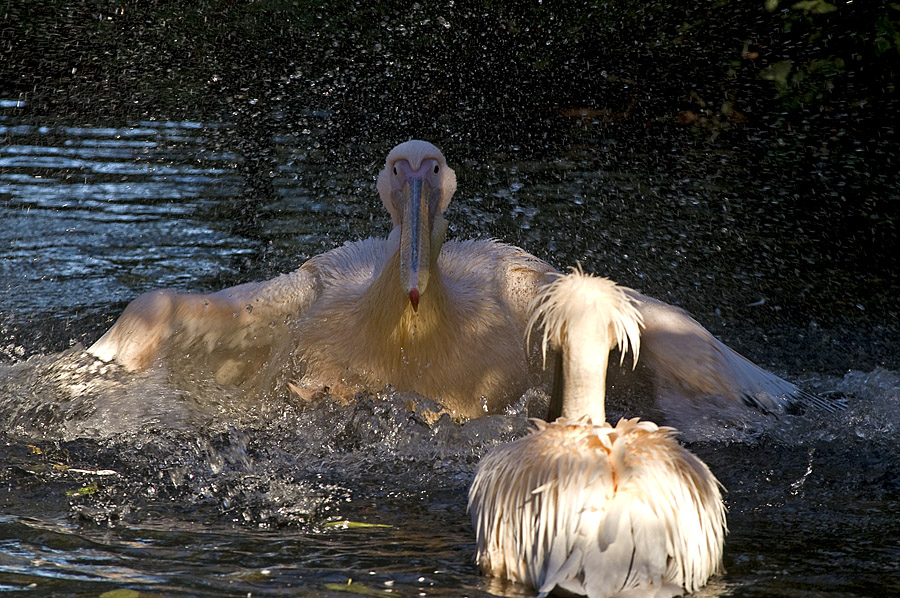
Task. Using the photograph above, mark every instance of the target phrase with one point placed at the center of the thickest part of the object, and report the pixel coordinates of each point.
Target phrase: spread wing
(688, 362)
(229, 330)
(685, 360)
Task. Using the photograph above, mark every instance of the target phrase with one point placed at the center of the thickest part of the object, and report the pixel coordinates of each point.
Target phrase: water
(115, 482)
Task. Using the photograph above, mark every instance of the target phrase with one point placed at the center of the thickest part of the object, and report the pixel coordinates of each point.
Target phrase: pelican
(581, 505)
(443, 319)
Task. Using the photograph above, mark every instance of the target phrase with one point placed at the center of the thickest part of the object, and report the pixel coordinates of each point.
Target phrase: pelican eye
(436, 169)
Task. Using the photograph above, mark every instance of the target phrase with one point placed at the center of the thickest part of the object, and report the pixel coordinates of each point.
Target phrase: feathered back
(598, 510)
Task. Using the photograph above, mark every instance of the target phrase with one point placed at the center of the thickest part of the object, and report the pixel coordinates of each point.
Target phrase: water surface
(121, 482)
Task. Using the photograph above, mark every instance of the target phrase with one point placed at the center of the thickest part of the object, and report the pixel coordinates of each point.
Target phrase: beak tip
(414, 299)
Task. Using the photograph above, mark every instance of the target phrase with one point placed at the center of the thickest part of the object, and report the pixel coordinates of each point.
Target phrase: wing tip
(826, 403)
(795, 402)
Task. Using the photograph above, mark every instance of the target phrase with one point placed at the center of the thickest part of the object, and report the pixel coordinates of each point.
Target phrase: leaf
(352, 588)
(85, 491)
(346, 524)
(122, 593)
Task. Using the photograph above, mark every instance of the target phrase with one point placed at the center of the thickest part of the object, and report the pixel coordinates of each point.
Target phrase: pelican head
(416, 186)
(585, 317)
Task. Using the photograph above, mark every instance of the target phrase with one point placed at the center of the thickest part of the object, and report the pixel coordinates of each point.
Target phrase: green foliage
(818, 7)
(887, 30)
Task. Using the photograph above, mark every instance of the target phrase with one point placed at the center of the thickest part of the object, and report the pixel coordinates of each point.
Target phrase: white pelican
(589, 508)
(444, 319)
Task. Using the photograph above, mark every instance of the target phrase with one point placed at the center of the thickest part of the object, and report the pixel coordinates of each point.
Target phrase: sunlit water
(120, 482)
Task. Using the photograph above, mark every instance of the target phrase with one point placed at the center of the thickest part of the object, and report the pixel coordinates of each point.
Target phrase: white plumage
(586, 507)
(443, 319)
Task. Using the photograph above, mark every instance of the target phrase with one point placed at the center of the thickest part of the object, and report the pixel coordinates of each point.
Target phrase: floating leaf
(352, 588)
(84, 491)
(346, 524)
(121, 594)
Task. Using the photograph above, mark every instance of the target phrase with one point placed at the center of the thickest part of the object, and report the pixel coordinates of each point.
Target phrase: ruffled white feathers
(586, 507)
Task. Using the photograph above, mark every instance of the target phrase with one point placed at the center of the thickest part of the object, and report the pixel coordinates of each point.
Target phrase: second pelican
(589, 508)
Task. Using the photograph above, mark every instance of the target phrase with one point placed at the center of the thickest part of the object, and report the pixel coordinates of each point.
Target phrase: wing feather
(235, 322)
(688, 362)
